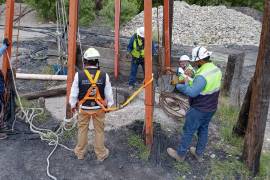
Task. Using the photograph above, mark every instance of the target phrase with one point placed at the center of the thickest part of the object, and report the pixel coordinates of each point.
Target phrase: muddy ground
(24, 157)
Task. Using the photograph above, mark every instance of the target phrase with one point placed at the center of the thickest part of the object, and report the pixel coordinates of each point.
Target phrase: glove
(6, 42)
(174, 81)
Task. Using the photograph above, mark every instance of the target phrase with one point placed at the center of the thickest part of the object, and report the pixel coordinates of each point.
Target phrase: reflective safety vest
(138, 48)
(93, 94)
(207, 100)
(212, 75)
(180, 75)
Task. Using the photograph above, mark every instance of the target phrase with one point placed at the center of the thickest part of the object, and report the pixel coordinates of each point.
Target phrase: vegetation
(257, 4)
(136, 142)
(129, 9)
(47, 10)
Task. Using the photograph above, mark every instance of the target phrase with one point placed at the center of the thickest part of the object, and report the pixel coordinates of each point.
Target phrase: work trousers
(98, 117)
(135, 62)
(195, 120)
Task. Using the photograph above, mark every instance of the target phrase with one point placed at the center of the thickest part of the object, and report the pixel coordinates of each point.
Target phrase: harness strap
(97, 98)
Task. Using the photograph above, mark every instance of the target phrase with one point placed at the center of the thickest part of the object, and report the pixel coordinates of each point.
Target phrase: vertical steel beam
(116, 37)
(148, 73)
(72, 37)
(8, 34)
(166, 20)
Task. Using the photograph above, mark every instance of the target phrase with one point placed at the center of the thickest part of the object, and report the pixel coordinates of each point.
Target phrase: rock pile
(210, 25)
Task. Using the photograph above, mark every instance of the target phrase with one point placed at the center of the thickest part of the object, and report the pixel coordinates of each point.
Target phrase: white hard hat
(199, 53)
(140, 32)
(184, 58)
(91, 54)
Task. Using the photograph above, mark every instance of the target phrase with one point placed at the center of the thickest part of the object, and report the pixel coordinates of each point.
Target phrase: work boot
(3, 136)
(104, 157)
(193, 152)
(173, 154)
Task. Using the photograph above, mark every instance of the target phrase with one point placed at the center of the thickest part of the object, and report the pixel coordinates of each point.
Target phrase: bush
(257, 4)
(129, 9)
(47, 10)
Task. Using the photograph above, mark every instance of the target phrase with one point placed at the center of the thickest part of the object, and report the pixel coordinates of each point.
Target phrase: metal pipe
(116, 37)
(72, 36)
(166, 20)
(41, 77)
(8, 34)
(148, 73)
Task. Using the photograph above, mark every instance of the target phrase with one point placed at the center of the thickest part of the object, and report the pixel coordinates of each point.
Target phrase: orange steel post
(8, 34)
(72, 36)
(166, 16)
(116, 37)
(148, 73)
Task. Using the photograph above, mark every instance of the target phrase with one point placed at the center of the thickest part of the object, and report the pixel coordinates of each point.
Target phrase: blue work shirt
(130, 45)
(2, 49)
(197, 87)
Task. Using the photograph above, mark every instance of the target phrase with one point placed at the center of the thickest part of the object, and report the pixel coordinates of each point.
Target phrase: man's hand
(6, 42)
(188, 72)
(73, 110)
(128, 55)
(174, 81)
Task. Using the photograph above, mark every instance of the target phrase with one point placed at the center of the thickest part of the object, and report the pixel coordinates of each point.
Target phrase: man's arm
(192, 91)
(108, 92)
(74, 93)
(130, 44)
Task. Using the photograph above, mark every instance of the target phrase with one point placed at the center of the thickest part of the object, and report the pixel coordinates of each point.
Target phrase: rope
(29, 115)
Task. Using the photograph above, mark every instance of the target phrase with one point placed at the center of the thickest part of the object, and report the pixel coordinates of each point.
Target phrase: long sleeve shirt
(73, 98)
(192, 91)
(2, 49)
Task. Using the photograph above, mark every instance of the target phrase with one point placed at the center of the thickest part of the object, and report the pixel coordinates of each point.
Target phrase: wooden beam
(148, 73)
(72, 37)
(46, 93)
(8, 34)
(259, 99)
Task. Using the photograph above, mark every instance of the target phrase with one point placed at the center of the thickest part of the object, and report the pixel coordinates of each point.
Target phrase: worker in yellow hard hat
(91, 92)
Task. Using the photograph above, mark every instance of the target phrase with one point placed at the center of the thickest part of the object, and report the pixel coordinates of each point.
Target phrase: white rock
(212, 156)
(216, 25)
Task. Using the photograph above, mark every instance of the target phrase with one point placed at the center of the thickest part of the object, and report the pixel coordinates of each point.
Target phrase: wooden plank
(232, 78)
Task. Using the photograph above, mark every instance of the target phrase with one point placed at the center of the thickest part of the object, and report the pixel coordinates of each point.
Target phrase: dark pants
(134, 68)
(195, 120)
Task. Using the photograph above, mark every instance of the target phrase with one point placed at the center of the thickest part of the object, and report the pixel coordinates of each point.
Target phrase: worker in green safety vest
(136, 50)
(203, 94)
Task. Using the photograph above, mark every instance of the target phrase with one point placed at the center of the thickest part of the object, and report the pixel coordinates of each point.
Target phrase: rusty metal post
(72, 36)
(8, 34)
(260, 97)
(148, 73)
(116, 37)
(167, 45)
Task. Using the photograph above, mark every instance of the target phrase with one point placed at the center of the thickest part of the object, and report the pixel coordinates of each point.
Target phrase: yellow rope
(130, 98)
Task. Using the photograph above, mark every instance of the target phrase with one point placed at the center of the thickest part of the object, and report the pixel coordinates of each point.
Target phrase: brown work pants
(98, 117)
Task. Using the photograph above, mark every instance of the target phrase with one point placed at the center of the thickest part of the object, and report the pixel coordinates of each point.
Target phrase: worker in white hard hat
(3, 135)
(136, 50)
(184, 70)
(203, 95)
(91, 91)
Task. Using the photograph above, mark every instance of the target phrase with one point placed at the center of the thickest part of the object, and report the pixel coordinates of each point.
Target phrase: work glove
(174, 81)
(128, 55)
(6, 42)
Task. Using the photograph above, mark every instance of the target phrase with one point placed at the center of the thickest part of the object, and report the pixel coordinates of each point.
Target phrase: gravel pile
(209, 25)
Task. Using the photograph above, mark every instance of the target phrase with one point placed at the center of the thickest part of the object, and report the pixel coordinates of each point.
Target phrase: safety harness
(93, 92)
